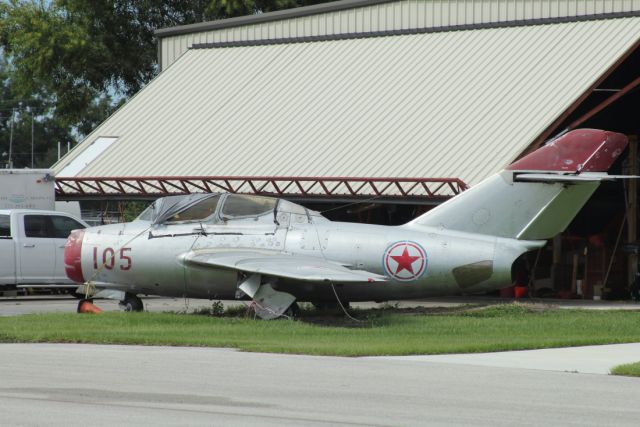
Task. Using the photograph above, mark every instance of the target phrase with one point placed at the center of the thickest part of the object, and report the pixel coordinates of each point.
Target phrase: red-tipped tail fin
(582, 150)
(537, 196)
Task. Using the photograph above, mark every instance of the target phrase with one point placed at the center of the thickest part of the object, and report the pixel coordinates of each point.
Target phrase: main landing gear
(293, 312)
(131, 302)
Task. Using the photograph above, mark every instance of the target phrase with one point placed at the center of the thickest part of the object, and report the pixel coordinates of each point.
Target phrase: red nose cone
(72, 256)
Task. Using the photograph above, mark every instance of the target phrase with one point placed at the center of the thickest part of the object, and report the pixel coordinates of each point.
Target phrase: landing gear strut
(132, 302)
(293, 311)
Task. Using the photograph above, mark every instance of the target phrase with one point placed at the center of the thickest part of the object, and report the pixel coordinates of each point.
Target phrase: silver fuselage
(141, 258)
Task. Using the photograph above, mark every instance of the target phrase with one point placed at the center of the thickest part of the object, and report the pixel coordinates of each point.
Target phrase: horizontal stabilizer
(551, 177)
(556, 177)
(619, 177)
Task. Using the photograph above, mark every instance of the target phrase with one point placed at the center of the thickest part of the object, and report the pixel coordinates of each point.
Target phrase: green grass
(630, 370)
(496, 328)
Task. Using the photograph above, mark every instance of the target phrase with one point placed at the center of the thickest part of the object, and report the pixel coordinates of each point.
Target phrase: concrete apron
(597, 359)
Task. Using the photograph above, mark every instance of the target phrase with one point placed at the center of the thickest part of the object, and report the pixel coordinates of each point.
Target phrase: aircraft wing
(278, 264)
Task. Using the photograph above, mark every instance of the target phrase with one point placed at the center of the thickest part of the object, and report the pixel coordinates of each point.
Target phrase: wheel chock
(87, 306)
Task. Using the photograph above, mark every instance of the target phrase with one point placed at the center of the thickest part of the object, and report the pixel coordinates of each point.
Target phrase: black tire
(293, 311)
(132, 303)
(76, 295)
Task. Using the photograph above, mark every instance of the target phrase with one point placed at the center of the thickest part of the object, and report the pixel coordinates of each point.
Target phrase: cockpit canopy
(242, 206)
(212, 207)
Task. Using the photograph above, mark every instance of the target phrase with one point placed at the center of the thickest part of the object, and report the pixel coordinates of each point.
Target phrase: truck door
(36, 250)
(7, 252)
(61, 226)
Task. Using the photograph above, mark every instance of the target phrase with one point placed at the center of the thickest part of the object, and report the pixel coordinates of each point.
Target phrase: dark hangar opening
(594, 257)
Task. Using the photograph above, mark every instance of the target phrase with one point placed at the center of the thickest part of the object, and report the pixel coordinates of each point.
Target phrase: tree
(45, 79)
(72, 62)
(219, 9)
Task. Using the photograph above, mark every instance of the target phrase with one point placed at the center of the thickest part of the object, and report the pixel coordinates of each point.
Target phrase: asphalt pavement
(72, 384)
(13, 306)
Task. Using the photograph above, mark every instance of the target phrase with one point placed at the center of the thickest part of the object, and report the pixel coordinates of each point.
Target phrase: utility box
(27, 189)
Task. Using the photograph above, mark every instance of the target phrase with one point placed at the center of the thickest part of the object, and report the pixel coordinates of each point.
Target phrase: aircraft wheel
(132, 303)
(77, 295)
(293, 311)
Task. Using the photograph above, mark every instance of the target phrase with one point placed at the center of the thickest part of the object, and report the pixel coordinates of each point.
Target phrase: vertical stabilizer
(537, 196)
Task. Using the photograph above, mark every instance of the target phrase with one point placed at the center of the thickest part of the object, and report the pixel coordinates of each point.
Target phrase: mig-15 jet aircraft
(273, 251)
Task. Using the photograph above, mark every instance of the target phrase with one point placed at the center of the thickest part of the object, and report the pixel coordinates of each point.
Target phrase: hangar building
(394, 104)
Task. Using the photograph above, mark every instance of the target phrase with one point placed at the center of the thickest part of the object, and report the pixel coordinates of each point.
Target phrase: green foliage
(216, 310)
(501, 310)
(238, 310)
(46, 77)
(393, 334)
(629, 370)
(71, 63)
(132, 209)
(219, 9)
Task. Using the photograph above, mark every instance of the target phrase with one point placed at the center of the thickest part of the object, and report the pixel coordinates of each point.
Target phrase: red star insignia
(404, 261)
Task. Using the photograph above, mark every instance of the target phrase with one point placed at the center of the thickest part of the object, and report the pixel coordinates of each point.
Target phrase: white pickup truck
(32, 248)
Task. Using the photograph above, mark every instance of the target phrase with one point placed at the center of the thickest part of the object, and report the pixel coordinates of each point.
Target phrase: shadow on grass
(378, 316)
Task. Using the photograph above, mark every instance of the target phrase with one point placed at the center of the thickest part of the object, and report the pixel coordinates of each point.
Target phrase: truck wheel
(132, 303)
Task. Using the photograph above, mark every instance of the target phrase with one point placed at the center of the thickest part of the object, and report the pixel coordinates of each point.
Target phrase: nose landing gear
(132, 302)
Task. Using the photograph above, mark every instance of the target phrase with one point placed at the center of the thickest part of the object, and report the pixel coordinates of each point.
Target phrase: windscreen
(148, 213)
(240, 206)
(201, 210)
(189, 207)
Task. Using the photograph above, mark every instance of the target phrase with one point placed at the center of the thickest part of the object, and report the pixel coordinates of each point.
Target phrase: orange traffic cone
(86, 306)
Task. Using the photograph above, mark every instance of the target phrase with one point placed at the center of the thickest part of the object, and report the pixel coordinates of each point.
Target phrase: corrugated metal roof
(408, 13)
(294, 12)
(461, 104)
(349, 17)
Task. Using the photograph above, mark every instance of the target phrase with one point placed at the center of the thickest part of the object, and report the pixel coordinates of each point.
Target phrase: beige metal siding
(405, 14)
(459, 104)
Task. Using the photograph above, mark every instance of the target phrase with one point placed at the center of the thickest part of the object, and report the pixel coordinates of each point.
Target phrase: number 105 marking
(109, 259)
